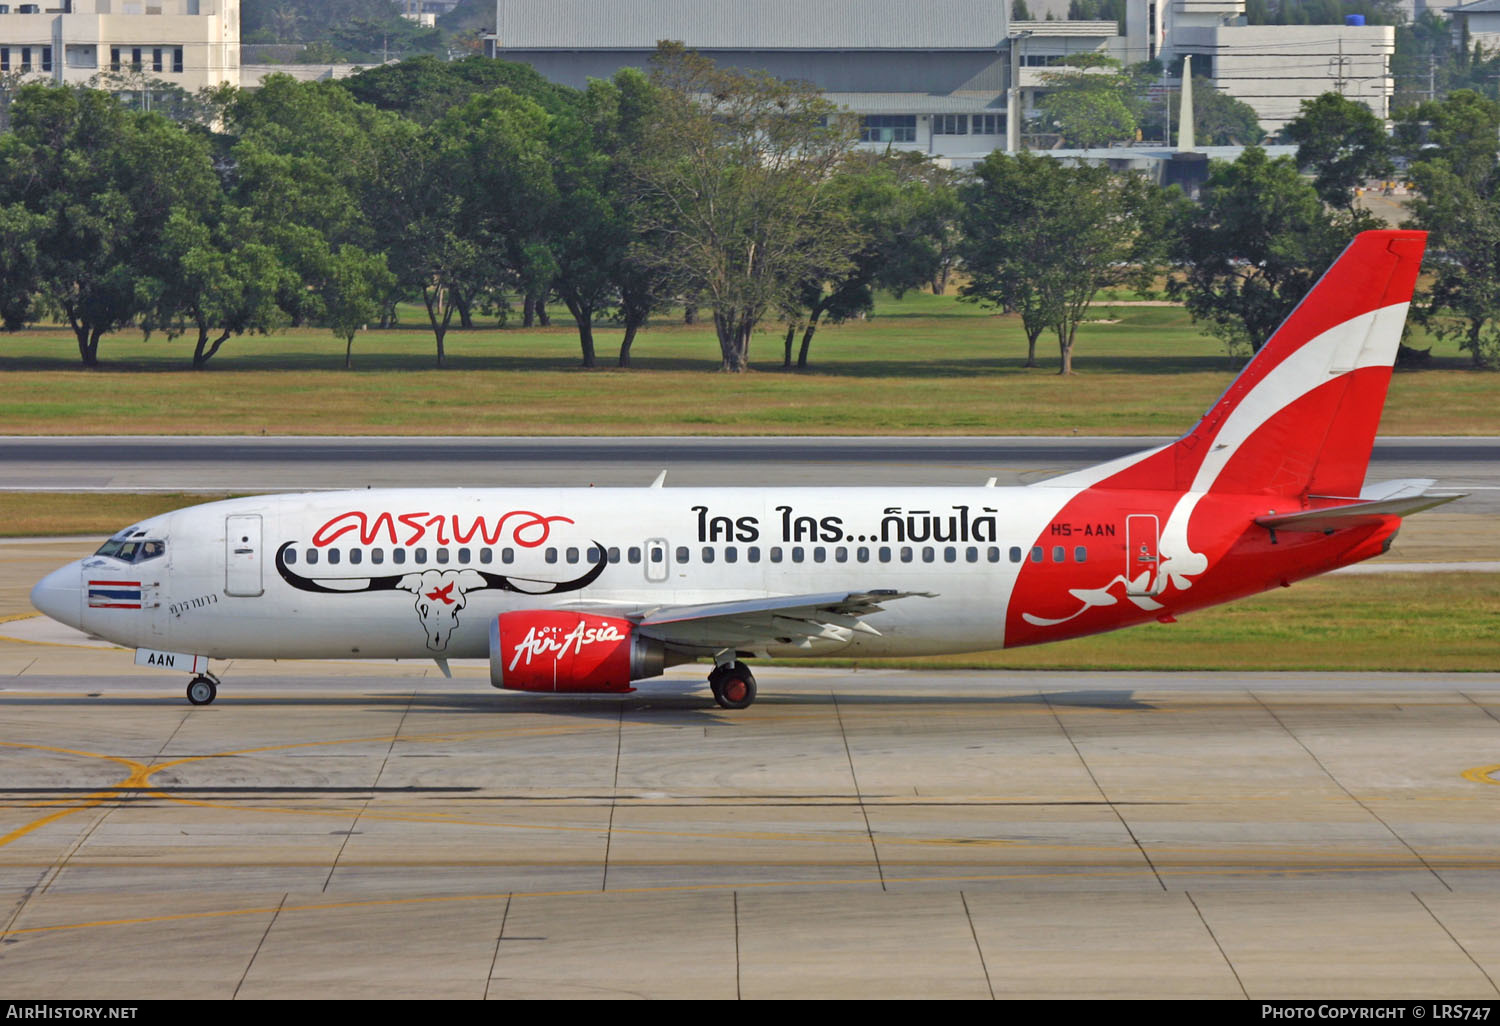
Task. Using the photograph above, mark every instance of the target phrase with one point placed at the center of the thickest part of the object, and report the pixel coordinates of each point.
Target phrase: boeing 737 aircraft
(588, 590)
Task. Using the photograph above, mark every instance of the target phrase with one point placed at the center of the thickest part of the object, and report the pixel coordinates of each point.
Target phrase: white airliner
(590, 589)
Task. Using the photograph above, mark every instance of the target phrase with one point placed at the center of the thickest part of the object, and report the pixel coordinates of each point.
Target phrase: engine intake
(546, 650)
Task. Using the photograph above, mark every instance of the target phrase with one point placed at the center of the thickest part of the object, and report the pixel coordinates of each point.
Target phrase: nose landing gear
(203, 689)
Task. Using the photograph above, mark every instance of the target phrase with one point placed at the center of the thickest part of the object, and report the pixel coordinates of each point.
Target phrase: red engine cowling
(547, 650)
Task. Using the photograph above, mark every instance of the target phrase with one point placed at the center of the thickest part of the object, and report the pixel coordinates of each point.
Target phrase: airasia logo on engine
(546, 650)
(541, 641)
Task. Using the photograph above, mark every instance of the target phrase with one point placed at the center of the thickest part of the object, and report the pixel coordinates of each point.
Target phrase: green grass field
(922, 365)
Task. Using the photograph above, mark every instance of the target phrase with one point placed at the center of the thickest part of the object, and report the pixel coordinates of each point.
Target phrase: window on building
(135, 58)
(25, 58)
(156, 64)
(888, 128)
(114, 58)
(950, 124)
(4, 58)
(177, 60)
(989, 124)
(46, 58)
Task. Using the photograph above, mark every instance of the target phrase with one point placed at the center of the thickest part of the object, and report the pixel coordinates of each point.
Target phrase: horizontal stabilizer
(1335, 518)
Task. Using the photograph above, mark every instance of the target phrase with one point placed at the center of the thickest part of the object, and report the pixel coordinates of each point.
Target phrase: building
(187, 43)
(1481, 20)
(949, 78)
(1273, 68)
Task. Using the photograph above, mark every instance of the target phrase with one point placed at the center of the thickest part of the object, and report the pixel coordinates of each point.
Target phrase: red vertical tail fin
(1301, 417)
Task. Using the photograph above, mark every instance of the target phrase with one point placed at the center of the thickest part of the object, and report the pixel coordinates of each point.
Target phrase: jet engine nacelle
(546, 650)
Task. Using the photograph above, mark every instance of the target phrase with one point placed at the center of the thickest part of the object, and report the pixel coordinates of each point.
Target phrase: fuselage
(421, 573)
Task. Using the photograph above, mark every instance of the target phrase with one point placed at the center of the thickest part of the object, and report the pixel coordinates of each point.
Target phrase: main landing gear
(733, 685)
(203, 689)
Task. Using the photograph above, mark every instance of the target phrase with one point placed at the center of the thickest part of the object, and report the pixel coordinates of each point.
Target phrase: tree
(1090, 105)
(1218, 118)
(897, 208)
(1343, 143)
(424, 88)
(1458, 202)
(351, 294)
(99, 183)
(1255, 244)
(222, 280)
(735, 181)
(1041, 238)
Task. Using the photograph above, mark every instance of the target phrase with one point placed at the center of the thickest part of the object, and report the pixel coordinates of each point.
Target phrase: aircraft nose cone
(59, 595)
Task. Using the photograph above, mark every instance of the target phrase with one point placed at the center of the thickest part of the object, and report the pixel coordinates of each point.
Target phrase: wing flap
(754, 623)
(1354, 514)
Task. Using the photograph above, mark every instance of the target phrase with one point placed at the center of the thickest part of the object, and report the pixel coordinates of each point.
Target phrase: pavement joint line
(1352, 796)
(1457, 943)
(1480, 705)
(375, 784)
(854, 777)
(609, 833)
(1102, 794)
(256, 953)
(978, 948)
(1214, 937)
(495, 958)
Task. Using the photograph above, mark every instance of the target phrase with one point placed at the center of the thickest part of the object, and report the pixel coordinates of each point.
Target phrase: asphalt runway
(348, 831)
(290, 464)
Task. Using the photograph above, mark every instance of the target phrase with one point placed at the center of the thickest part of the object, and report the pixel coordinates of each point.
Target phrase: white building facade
(187, 43)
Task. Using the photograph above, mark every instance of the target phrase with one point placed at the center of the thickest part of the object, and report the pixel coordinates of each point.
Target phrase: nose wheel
(733, 686)
(203, 689)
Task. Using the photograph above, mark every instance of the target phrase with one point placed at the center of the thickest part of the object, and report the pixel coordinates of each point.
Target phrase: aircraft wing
(755, 623)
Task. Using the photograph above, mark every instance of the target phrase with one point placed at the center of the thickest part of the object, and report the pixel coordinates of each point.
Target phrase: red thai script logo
(528, 531)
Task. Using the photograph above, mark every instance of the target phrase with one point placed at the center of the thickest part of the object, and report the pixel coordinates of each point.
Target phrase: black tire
(735, 688)
(202, 691)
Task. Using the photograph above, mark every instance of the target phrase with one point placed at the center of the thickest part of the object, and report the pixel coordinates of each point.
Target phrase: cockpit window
(132, 551)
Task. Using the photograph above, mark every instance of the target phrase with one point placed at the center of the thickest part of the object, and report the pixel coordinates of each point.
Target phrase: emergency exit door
(242, 555)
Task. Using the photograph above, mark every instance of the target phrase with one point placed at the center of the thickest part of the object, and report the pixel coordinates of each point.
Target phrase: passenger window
(312, 557)
(1059, 554)
(971, 554)
(950, 554)
(1037, 554)
(614, 553)
(290, 557)
(796, 553)
(419, 556)
(377, 555)
(841, 555)
(634, 554)
(752, 554)
(1015, 553)
(593, 554)
(507, 555)
(333, 556)
(1081, 554)
(463, 555)
(885, 553)
(398, 556)
(731, 554)
(906, 554)
(928, 554)
(572, 554)
(486, 556)
(862, 554)
(819, 553)
(442, 555)
(550, 555)
(682, 554)
(356, 555)
(994, 554)
(776, 553)
(658, 554)
(708, 554)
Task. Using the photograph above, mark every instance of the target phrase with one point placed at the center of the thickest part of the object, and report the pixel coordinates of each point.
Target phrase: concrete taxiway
(351, 831)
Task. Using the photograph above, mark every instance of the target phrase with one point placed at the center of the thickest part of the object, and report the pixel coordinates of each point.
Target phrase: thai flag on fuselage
(114, 594)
